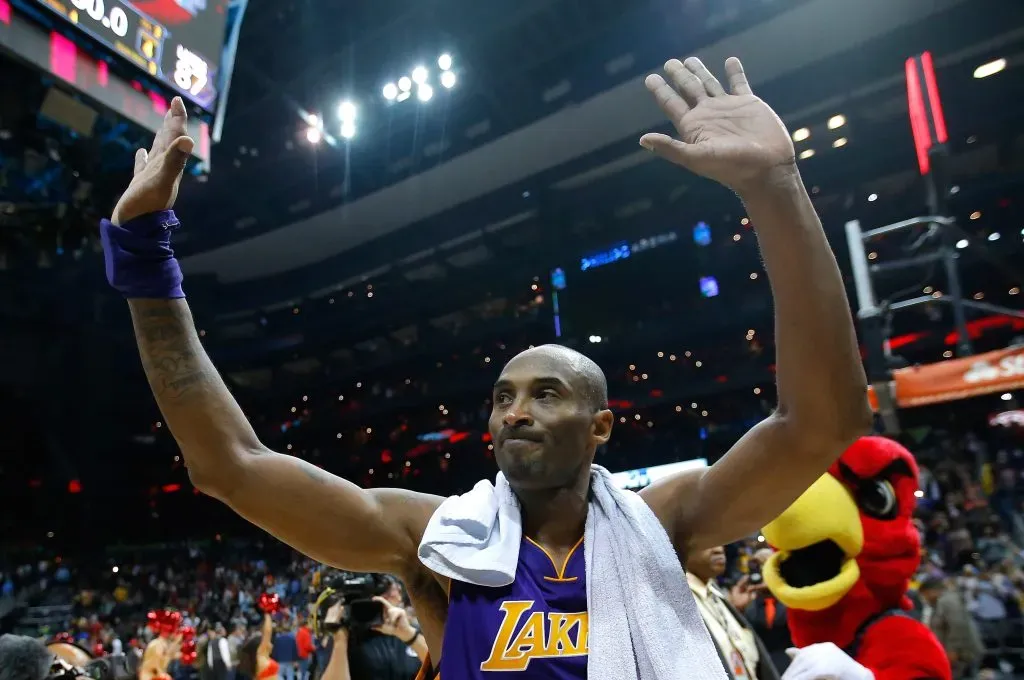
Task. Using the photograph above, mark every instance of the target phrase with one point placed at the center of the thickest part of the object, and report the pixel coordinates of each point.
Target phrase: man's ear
(602, 426)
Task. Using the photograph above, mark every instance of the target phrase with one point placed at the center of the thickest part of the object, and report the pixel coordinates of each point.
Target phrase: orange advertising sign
(998, 371)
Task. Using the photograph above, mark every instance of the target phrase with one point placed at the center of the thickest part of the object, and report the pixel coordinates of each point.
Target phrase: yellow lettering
(499, 659)
(560, 640)
(564, 635)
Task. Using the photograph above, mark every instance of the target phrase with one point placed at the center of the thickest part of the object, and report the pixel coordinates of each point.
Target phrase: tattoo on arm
(171, 354)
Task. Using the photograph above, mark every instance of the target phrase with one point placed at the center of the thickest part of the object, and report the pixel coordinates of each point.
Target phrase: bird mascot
(845, 552)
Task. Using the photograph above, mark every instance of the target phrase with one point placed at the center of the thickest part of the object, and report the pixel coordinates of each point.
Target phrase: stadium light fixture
(348, 129)
(806, 153)
(444, 62)
(837, 121)
(390, 91)
(839, 143)
(347, 111)
(447, 79)
(404, 84)
(801, 134)
(990, 69)
(420, 75)
(424, 92)
(962, 243)
(994, 236)
(313, 135)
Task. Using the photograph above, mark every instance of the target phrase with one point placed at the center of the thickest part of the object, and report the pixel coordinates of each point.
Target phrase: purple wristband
(139, 259)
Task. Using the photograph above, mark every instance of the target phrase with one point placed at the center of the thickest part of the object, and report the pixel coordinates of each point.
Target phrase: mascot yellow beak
(817, 540)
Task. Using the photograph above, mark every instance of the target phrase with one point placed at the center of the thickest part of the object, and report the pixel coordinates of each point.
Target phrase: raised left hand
(824, 661)
(731, 137)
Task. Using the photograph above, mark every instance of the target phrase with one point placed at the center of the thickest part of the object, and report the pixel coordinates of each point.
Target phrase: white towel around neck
(643, 621)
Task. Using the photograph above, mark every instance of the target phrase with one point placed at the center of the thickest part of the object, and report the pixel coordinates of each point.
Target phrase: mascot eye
(877, 499)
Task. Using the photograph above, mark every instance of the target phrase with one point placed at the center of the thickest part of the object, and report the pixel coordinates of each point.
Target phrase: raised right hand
(157, 173)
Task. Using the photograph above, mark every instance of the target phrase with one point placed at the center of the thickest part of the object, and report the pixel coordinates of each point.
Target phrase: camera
(754, 573)
(113, 667)
(354, 592)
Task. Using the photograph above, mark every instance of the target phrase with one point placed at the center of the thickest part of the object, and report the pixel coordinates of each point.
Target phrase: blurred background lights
(447, 80)
(419, 75)
(444, 62)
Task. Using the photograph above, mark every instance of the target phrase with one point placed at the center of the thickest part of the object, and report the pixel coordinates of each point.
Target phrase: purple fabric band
(139, 259)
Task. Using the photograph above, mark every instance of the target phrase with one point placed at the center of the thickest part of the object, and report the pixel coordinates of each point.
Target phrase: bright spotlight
(444, 62)
(836, 121)
(348, 129)
(390, 91)
(595, 338)
(994, 236)
(990, 69)
(424, 92)
(419, 75)
(404, 84)
(839, 143)
(806, 153)
(962, 243)
(447, 79)
(402, 96)
(1006, 396)
(347, 110)
(801, 134)
(314, 135)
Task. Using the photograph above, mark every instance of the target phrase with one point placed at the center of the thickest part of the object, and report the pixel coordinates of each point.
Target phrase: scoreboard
(178, 42)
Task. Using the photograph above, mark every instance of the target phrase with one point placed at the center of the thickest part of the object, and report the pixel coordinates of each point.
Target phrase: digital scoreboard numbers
(167, 54)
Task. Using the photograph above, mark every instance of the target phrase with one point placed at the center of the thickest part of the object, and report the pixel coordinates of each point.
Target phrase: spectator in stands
(215, 663)
(945, 612)
(304, 646)
(767, 616)
(285, 650)
(743, 655)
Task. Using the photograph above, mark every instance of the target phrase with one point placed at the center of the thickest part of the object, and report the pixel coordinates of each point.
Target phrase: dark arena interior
(387, 201)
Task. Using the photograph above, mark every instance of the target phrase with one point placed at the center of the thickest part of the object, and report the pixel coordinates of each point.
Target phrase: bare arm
(337, 667)
(266, 638)
(336, 523)
(821, 384)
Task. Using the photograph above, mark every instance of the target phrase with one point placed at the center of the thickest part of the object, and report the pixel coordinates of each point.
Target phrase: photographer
(381, 641)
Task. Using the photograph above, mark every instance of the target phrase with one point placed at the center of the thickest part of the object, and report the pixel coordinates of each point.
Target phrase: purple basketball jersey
(537, 627)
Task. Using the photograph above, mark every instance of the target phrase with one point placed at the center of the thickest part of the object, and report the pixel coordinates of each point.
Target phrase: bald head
(588, 376)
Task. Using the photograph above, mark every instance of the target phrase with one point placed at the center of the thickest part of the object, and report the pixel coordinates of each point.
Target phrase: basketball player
(549, 404)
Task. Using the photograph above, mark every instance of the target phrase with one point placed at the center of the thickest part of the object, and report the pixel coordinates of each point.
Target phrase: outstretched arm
(336, 522)
(737, 140)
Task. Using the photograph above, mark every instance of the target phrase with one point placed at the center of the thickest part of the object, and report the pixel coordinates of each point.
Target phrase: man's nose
(517, 415)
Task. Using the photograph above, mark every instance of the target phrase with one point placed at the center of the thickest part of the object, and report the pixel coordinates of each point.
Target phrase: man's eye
(503, 399)
(548, 394)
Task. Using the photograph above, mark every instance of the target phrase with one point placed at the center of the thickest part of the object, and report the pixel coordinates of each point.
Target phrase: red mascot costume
(845, 553)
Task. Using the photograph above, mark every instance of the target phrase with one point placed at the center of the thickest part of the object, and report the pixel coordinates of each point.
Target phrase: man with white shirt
(217, 664)
(742, 653)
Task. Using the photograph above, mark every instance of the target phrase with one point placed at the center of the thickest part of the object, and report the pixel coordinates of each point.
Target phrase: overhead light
(990, 69)
(402, 96)
(801, 134)
(419, 75)
(806, 153)
(314, 135)
(447, 79)
(836, 121)
(348, 129)
(994, 236)
(962, 243)
(595, 338)
(872, 198)
(1006, 396)
(404, 84)
(839, 143)
(976, 215)
(390, 91)
(444, 62)
(347, 110)
(424, 92)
